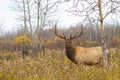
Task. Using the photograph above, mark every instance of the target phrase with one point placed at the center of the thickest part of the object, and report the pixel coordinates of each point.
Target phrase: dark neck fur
(70, 52)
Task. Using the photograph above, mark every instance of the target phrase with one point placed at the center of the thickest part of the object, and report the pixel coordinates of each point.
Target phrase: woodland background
(33, 52)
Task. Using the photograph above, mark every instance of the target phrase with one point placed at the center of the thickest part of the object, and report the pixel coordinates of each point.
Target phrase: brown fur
(81, 55)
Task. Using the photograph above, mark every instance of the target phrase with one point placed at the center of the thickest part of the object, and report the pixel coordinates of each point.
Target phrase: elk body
(79, 54)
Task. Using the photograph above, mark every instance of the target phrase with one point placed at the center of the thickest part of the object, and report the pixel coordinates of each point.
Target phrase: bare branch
(112, 10)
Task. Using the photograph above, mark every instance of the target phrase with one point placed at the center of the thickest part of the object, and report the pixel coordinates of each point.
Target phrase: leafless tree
(29, 17)
(44, 11)
(36, 15)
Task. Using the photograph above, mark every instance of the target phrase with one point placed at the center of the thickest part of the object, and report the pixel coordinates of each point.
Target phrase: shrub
(89, 43)
(115, 42)
(22, 39)
(54, 43)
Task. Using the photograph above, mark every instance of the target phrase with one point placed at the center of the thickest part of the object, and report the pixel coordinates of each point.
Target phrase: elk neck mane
(70, 52)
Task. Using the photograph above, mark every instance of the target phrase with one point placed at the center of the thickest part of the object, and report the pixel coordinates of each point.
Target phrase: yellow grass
(54, 66)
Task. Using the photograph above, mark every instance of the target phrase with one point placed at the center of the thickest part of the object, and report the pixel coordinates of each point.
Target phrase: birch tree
(45, 9)
(102, 32)
(29, 18)
(24, 16)
(24, 45)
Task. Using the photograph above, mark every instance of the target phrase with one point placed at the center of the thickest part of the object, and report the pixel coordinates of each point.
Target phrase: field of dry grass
(54, 66)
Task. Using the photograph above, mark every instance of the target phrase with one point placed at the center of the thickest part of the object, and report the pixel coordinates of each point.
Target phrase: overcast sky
(7, 16)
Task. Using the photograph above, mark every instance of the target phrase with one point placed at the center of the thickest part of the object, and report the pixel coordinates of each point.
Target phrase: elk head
(68, 41)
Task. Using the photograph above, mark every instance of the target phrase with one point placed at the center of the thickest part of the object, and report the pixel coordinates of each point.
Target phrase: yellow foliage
(22, 39)
(66, 61)
(88, 42)
(53, 41)
(49, 41)
(115, 42)
(36, 42)
(1, 75)
(58, 39)
(117, 39)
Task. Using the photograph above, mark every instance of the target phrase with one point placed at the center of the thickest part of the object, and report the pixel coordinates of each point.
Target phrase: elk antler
(76, 36)
(59, 35)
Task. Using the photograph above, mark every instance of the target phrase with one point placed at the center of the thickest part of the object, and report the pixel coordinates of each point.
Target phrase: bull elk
(79, 54)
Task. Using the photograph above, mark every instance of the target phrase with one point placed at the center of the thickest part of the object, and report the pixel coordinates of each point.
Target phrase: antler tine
(56, 33)
(63, 35)
(70, 35)
(76, 36)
